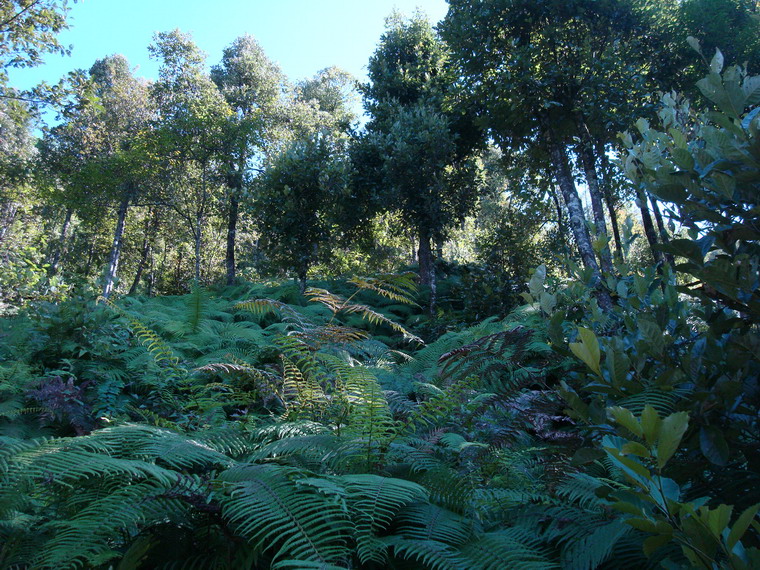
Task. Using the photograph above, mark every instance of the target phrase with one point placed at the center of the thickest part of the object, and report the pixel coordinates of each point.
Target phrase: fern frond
(505, 549)
(261, 307)
(267, 507)
(399, 287)
(373, 502)
(433, 555)
(431, 522)
(590, 551)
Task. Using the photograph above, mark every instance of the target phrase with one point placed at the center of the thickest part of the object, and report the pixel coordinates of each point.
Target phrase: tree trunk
(427, 268)
(575, 212)
(147, 248)
(232, 218)
(61, 243)
(151, 274)
(198, 235)
(560, 216)
(664, 237)
(113, 258)
(609, 201)
(7, 217)
(649, 231)
(592, 181)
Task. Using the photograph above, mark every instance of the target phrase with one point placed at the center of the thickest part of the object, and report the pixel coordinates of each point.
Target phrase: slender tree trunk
(560, 214)
(198, 235)
(592, 181)
(61, 243)
(232, 218)
(427, 268)
(151, 274)
(608, 199)
(649, 231)
(151, 224)
(658, 218)
(90, 256)
(8, 216)
(114, 256)
(577, 219)
(664, 237)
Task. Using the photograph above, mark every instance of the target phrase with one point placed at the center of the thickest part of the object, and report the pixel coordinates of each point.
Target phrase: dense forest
(507, 315)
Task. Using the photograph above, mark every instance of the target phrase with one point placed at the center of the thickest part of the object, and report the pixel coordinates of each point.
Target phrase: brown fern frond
(491, 357)
(332, 334)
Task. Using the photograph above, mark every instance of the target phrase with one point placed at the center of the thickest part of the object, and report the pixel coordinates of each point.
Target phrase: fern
(374, 502)
(271, 510)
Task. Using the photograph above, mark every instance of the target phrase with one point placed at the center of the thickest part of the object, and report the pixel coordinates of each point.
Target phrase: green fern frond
(197, 307)
(373, 502)
(274, 513)
(581, 489)
(431, 522)
(338, 304)
(590, 551)
(400, 287)
(505, 549)
(262, 307)
(432, 555)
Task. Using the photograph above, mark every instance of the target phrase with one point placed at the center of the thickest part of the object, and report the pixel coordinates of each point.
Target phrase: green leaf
(626, 419)
(718, 519)
(716, 65)
(694, 43)
(653, 335)
(536, 283)
(713, 445)
(671, 431)
(618, 364)
(653, 543)
(741, 525)
(634, 448)
(650, 423)
(588, 349)
(586, 455)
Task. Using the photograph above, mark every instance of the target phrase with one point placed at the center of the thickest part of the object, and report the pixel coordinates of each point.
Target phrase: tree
(28, 30)
(296, 202)
(331, 91)
(419, 149)
(96, 150)
(253, 87)
(190, 133)
(543, 73)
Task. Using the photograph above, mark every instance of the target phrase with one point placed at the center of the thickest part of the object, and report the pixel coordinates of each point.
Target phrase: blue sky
(303, 36)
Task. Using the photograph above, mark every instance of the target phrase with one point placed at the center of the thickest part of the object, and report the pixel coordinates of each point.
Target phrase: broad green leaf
(634, 448)
(694, 43)
(653, 543)
(718, 519)
(751, 89)
(588, 349)
(716, 65)
(741, 525)
(626, 419)
(642, 524)
(650, 423)
(713, 445)
(653, 335)
(671, 431)
(548, 302)
(536, 283)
